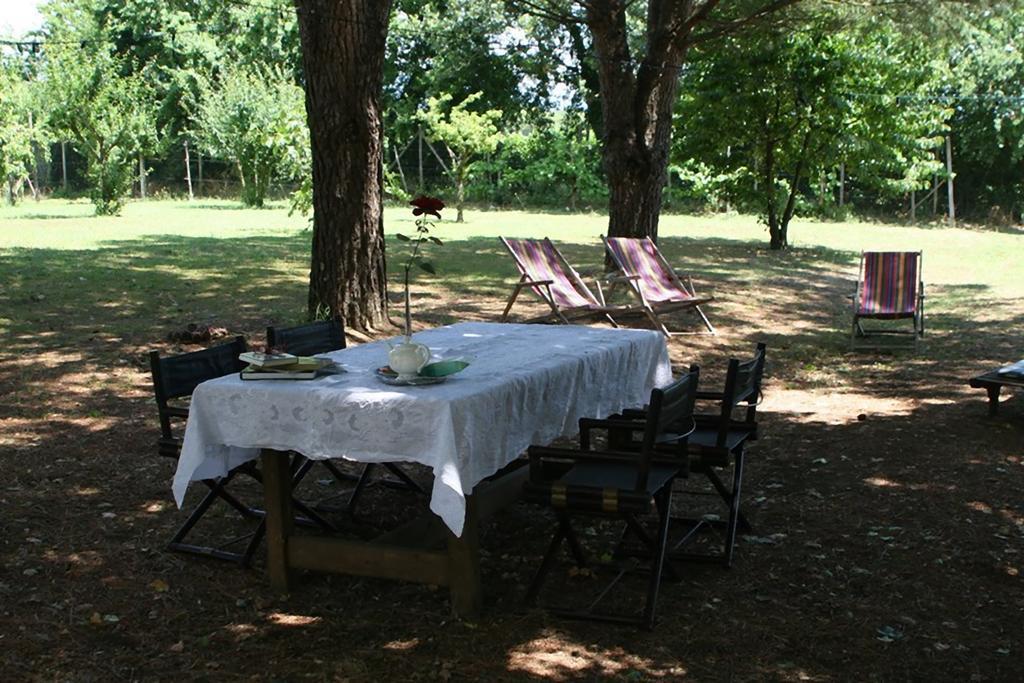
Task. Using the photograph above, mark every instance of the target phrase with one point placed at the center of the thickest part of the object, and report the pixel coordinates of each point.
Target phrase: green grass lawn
(130, 280)
(952, 256)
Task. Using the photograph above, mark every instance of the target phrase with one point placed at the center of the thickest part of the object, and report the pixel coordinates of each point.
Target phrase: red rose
(427, 206)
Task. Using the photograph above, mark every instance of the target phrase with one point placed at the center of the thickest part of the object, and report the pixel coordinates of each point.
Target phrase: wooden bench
(993, 382)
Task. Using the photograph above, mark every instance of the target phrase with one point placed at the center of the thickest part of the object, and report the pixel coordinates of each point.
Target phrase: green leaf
(428, 266)
(402, 238)
(436, 241)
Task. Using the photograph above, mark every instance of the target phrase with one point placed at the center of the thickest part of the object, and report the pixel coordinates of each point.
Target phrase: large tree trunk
(637, 107)
(343, 55)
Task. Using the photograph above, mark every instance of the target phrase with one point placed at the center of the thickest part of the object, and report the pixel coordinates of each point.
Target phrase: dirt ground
(887, 508)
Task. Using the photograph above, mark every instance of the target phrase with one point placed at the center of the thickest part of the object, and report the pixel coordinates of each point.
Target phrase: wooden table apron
(399, 554)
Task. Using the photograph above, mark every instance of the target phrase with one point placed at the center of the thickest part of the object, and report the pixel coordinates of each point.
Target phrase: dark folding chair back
(310, 339)
(742, 386)
(324, 336)
(177, 377)
(719, 442)
(618, 484)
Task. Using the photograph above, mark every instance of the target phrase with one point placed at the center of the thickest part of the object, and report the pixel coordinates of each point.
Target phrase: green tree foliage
(22, 130)
(108, 117)
(867, 80)
(554, 162)
(258, 121)
(466, 135)
(181, 42)
(987, 70)
(766, 113)
(463, 47)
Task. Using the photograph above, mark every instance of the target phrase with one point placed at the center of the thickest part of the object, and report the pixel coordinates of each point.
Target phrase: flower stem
(408, 314)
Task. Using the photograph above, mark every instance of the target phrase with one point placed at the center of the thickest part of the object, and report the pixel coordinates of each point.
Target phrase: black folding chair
(322, 337)
(174, 379)
(717, 443)
(619, 484)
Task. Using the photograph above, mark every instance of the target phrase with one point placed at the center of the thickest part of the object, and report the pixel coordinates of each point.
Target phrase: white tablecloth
(526, 384)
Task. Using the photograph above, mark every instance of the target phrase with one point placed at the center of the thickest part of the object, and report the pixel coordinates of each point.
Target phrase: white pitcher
(407, 358)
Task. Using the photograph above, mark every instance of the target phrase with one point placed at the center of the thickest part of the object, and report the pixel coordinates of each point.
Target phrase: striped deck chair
(889, 287)
(545, 272)
(650, 277)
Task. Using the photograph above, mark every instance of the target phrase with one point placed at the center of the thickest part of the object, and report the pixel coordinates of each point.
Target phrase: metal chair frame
(859, 333)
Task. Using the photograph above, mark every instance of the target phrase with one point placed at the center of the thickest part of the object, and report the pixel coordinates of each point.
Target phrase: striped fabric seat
(539, 260)
(653, 281)
(889, 287)
(889, 282)
(657, 280)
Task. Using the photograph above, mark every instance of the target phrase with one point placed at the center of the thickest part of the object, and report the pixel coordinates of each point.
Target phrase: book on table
(267, 360)
(303, 367)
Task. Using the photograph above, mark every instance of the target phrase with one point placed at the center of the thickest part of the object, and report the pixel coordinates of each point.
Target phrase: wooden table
(423, 550)
(527, 384)
(993, 382)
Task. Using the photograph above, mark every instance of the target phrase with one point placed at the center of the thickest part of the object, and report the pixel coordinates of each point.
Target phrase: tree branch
(725, 28)
(545, 10)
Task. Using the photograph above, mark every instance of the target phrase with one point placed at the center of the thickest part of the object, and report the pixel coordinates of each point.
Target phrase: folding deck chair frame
(914, 313)
(652, 309)
(542, 287)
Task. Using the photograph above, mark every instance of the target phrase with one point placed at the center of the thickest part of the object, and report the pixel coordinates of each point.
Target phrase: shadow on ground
(886, 504)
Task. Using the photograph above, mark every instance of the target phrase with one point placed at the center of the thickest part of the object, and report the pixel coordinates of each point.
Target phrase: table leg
(277, 494)
(464, 565)
(993, 399)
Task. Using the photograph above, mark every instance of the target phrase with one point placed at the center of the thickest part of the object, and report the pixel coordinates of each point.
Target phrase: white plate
(394, 381)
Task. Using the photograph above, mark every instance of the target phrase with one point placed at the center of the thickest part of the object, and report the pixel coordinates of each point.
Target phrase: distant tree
(463, 47)
(22, 131)
(257, 120)
(773, 110)
(180, 42)
(555, 162)
(640, 50)
(986, 72)
(109, 118)
(466, 135)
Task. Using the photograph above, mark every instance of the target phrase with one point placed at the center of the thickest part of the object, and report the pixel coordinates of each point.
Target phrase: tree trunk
(460, 192)
(142, 177)
(188, 172)
(343, 56)
(589, 77)
(776, 229)
(778, 226)
(637, 108)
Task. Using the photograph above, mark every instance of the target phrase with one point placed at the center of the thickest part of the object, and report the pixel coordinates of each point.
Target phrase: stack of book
(285, 366)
